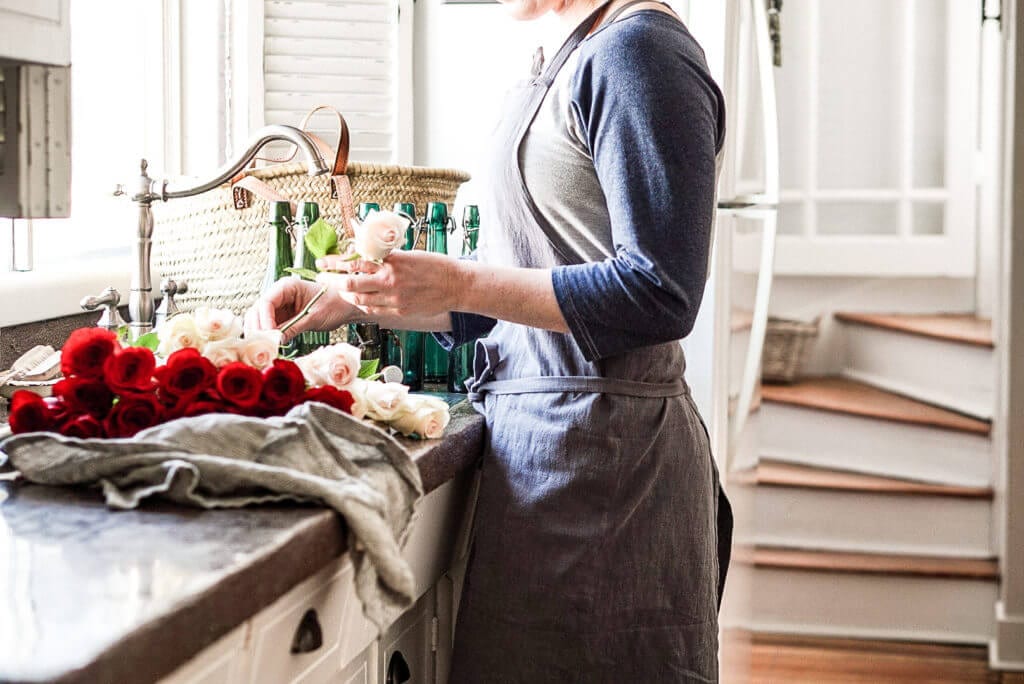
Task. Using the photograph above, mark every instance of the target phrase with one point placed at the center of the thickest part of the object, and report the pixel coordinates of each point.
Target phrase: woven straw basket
(218, 242)
(786, 343)
(222, 251)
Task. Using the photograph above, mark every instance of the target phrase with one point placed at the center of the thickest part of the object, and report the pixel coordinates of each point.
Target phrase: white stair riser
(831, 520)
(957, 376)
(878, 447)
(862, 605)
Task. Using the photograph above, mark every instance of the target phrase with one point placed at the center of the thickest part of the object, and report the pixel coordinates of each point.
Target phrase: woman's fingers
(342, 264)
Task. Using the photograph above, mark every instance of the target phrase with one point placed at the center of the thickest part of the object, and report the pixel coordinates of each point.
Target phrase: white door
(877, 107)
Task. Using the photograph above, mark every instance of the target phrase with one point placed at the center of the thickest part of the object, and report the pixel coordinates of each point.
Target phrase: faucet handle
(168, 307)
(110, 299)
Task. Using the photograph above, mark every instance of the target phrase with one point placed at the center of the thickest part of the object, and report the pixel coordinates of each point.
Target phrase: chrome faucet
(140, 297)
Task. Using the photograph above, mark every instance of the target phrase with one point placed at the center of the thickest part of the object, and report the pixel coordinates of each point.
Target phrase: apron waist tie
(585, 384)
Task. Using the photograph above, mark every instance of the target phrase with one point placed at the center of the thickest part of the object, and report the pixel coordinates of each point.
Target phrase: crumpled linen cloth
(313, 454)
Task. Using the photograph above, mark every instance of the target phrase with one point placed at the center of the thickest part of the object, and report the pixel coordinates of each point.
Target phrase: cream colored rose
(259, 348)
(337, 365)
(423, 416)
(358, 391)
(179, 332)
(217, 324)
(384, 399)
(378, 234)
(222, 352)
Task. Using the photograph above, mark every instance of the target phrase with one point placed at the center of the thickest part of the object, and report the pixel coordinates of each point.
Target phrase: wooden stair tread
(868, 563)
(789, 475)
(842, 395)
(963, 328)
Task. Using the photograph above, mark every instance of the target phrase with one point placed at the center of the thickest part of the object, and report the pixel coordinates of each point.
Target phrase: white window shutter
(349, 54)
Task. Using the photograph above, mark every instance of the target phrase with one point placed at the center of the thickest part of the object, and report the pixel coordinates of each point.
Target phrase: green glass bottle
(460, 360)
(366, 336)
(404, 348)
(307, 215)
(279, 250)
(435, 358)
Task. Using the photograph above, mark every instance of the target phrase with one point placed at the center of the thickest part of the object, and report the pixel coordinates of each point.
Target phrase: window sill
(51, 292)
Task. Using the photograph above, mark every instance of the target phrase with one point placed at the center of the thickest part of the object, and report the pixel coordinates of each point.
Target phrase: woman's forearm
(517, 295)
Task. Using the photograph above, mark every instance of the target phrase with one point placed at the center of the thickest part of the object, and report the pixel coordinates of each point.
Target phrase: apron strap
(570, 44)
(583, 384)
(618, 12)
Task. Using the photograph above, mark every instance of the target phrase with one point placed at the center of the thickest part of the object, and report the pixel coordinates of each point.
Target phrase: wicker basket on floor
(786, 343)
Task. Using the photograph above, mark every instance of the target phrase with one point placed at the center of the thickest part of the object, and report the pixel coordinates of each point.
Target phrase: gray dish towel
(313, 454)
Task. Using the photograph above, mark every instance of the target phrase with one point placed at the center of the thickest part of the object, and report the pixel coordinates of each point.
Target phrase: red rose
(332, 396)
(59, 411)
(29, 413)
(283, 386)
(186, 374)
(201, 407)
(130, 370)
(85, 352)
(133, 413)
(240, 384)
(84, 427)
(81, 395)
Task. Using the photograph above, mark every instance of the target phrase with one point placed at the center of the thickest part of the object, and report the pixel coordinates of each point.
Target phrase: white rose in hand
(384, 399)
(179, 332)
(423, 416)
(259, 348)
(379, 234)
(217, 324)
(336, 365)
(222, 352)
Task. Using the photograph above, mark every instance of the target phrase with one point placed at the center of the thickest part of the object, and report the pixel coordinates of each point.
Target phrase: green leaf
(322, 239)
(150, 341)
(367, 369)
(304, 273)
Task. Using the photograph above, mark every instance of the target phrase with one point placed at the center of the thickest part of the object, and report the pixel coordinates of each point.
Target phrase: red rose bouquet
(209, 366)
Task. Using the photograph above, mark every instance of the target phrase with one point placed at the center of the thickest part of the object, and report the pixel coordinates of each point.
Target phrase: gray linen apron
(601, 534)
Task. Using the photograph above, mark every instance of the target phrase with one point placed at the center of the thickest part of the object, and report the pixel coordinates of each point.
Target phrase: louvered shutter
(343, 53)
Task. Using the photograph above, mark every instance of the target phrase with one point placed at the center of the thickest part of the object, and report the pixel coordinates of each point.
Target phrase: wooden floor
(778, 659)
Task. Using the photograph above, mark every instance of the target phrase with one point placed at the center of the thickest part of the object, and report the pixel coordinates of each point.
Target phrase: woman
(596, 554)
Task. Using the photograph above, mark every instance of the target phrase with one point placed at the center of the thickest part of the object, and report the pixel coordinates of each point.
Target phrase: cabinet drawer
(297, 638)
(221, 663)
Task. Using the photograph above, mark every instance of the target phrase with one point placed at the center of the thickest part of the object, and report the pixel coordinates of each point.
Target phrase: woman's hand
(413, 284)
(287, 298)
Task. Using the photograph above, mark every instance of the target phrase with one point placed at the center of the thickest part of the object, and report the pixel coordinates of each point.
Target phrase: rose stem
(305, 311)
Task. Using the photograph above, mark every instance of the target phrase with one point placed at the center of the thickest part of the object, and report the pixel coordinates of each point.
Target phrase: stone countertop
(95, 595)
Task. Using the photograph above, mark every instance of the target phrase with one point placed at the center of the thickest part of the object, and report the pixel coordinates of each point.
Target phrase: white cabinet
(316, 633)
(35, 31)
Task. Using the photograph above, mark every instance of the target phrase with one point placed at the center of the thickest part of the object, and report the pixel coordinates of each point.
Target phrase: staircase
(868, 510)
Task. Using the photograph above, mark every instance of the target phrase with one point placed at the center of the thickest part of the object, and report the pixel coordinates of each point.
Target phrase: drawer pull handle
(309, 636)
(398, 669)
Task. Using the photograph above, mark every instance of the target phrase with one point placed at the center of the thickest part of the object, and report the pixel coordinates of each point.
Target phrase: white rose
(358, 391)
(423, 416)
(222, 352)
(384, 399)
(217, 324)
(307, 364)
(379, 234)
(259, 348)
(179, 332)
(336, 365)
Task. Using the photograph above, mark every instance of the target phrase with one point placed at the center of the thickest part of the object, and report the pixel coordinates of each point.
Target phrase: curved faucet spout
(268, 134)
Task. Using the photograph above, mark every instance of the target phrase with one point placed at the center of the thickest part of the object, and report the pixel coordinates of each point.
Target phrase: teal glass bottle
(279, 252)
(435, 358)
(404, 348)
(366, 336)
(460, 360)
(306, 215)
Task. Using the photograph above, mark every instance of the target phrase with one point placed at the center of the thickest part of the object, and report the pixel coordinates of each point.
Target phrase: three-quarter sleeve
(653, 121)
